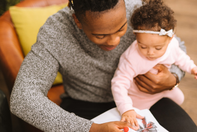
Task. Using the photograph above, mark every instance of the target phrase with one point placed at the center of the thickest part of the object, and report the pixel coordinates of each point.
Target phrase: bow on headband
(162, 32)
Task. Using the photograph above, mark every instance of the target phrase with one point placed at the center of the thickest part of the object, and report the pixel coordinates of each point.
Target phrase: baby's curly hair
(154, 15)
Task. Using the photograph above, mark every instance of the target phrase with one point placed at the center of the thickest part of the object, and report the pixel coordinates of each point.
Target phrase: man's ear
(78, 23)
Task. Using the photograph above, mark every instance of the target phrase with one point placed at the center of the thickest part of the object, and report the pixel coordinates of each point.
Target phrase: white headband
(162, 32)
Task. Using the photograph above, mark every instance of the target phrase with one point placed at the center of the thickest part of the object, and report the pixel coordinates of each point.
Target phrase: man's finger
(150, 77)
(121, 124)
(139, 81)
(159, 67)
(141, 88)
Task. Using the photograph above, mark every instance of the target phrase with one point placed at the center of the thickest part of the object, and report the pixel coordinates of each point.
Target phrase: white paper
(113, 115)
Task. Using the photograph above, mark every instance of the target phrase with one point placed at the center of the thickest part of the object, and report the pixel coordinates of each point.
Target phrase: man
(84, 46)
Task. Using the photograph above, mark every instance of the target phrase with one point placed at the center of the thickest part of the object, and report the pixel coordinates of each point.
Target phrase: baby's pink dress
(132, 63)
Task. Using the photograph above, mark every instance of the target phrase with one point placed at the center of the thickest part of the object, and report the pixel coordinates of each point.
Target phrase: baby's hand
(130, 117)
(194, 72)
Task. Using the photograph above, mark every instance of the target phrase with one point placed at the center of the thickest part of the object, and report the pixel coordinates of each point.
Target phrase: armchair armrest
(11, 55)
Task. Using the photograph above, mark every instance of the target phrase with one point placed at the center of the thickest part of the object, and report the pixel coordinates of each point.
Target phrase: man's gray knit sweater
(86, 69)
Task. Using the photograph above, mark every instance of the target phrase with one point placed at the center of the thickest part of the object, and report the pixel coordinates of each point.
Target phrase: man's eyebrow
(112, 33)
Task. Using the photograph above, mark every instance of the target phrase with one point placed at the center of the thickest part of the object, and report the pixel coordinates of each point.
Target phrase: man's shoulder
(131, 5)
(58, 32)
(133, 2)
(60, 24)
(62, 18)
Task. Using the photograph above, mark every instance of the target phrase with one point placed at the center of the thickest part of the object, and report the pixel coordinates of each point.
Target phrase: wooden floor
(186, 15)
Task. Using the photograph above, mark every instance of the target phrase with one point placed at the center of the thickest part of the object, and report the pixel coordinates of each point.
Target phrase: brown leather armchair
(11, 55)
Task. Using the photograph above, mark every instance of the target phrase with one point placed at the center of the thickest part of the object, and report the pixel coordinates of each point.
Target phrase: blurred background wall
(186, 15)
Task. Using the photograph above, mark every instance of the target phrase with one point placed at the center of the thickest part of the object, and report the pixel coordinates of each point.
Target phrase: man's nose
(113, 40)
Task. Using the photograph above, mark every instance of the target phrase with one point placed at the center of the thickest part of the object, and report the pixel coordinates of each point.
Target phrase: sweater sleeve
(29, 96)
(36, 75)
(121, 83)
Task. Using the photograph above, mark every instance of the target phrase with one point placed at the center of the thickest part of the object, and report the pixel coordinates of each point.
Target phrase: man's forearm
(175, 69)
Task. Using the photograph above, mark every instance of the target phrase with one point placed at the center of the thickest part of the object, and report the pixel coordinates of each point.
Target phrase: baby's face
(152, 46)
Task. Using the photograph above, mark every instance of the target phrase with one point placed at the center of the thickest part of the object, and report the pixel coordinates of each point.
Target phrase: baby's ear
(172, 36)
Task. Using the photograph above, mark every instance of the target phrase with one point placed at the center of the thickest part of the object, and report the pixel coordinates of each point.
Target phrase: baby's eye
(143, 47)
(100, 36)
(158, 48)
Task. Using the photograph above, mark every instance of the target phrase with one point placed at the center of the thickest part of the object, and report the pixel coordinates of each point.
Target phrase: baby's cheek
(162, 52)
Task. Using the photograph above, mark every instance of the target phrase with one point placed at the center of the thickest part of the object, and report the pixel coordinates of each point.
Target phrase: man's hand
(115, 126)
(155, 83)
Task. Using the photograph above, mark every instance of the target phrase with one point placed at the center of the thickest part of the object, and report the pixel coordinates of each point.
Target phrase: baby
(153, 25)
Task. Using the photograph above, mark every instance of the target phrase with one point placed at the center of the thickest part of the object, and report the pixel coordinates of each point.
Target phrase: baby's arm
(120, 86)
(183, 60)
(121, 83)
